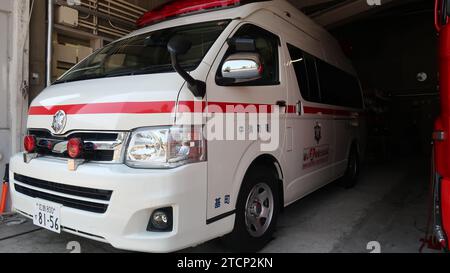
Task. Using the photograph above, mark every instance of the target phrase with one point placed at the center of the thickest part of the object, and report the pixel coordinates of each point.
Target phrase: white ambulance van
(204, 123)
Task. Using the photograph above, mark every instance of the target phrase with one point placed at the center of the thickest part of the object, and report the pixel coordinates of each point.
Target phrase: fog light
(161, 220)
(29, 144)
(75, 147)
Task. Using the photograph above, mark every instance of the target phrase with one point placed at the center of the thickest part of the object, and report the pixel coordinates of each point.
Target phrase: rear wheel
(256, 212)
(352, 173)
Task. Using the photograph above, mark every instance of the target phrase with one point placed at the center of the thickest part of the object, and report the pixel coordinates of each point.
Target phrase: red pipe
(442, 124)
(4, 190)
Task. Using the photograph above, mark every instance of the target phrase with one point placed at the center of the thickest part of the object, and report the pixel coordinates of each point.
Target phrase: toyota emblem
(59, 121)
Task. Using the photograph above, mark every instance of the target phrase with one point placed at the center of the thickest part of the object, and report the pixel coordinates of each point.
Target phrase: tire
(351, 176)
(254, 226)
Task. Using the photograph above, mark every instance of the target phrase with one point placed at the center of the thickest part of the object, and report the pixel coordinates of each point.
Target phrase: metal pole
(49, 41)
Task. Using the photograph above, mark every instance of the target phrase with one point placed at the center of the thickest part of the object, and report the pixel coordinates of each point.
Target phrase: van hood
(122, 103)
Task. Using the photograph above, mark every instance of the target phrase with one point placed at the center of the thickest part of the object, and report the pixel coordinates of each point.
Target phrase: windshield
(147, 53)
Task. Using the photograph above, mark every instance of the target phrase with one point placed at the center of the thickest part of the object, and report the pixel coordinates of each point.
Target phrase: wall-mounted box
(66, 16)
(83, 52)
(65, 54)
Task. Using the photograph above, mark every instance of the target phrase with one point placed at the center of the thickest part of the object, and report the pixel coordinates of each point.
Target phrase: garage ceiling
(328, 13)
(332, 13)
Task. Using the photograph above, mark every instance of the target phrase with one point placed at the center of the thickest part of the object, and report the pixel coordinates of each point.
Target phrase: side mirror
(150, 42)
(179, 45)
(242, 67)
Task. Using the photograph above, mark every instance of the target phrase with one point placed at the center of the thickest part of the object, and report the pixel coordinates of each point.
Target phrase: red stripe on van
(292, 109)
(326, 111)
(105, 108)
(154, 107)
(164, 107)
(231, 107)
(226, 107)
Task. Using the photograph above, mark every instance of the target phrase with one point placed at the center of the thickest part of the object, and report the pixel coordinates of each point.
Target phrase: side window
(267, 45)
(329, 83)
(338, 87)
(306, 72)
(314, 90)
(353, 95)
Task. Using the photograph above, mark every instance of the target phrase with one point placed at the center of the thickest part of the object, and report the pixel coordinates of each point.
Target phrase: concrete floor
(389, 206)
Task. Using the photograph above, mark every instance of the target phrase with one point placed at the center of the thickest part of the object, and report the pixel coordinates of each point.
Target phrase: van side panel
(232, 158)
(339, 126)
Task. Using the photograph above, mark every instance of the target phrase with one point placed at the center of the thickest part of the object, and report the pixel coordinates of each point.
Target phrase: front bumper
(135, 195)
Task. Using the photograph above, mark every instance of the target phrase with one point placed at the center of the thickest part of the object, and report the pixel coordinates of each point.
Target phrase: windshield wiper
(128, 72)
(155, 68)
(140, 71)
(86, 68)
(81, 78)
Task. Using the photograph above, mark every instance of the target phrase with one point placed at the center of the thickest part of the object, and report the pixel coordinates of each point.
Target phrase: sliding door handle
(281, 103)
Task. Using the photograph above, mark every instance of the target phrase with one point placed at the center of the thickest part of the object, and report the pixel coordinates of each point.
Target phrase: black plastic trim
(104, 195)
(67, 202)
(220, 217)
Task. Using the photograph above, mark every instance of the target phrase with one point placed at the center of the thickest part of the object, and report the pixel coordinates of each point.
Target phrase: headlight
(166, 147)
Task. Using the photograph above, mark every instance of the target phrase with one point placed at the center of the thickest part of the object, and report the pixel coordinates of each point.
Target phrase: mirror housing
(179, 45)
(242, 67)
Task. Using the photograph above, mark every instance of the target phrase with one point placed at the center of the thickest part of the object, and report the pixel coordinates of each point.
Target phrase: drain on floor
(12, 219)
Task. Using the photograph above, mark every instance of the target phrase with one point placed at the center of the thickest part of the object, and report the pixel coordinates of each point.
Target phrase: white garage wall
(4, 109)
(5, 136)
(14, 17)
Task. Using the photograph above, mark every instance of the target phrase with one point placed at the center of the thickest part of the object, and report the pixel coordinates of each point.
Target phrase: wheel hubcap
(259, 210)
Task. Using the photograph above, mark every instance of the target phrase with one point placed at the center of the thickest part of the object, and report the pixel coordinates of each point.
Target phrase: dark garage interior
(394, 48)
(391, 50)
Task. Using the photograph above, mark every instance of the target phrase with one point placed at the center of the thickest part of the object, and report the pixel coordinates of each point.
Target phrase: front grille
(105, 146)
(97, 156)
(104, 195)
(101, 195)
(87, 136)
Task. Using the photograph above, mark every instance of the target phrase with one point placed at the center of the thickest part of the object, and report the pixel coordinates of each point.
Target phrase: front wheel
(256, 212)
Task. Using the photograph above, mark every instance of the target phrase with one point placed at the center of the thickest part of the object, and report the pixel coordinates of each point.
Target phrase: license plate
(46, 215)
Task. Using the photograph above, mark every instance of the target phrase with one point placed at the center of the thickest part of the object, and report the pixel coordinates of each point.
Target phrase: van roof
(281, 8)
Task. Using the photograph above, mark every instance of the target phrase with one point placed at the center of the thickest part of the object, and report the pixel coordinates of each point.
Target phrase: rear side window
(338, 87)
(324, 83)
(306, 73)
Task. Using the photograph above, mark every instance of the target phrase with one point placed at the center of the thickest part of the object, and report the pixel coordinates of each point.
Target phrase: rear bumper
(135, 195)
